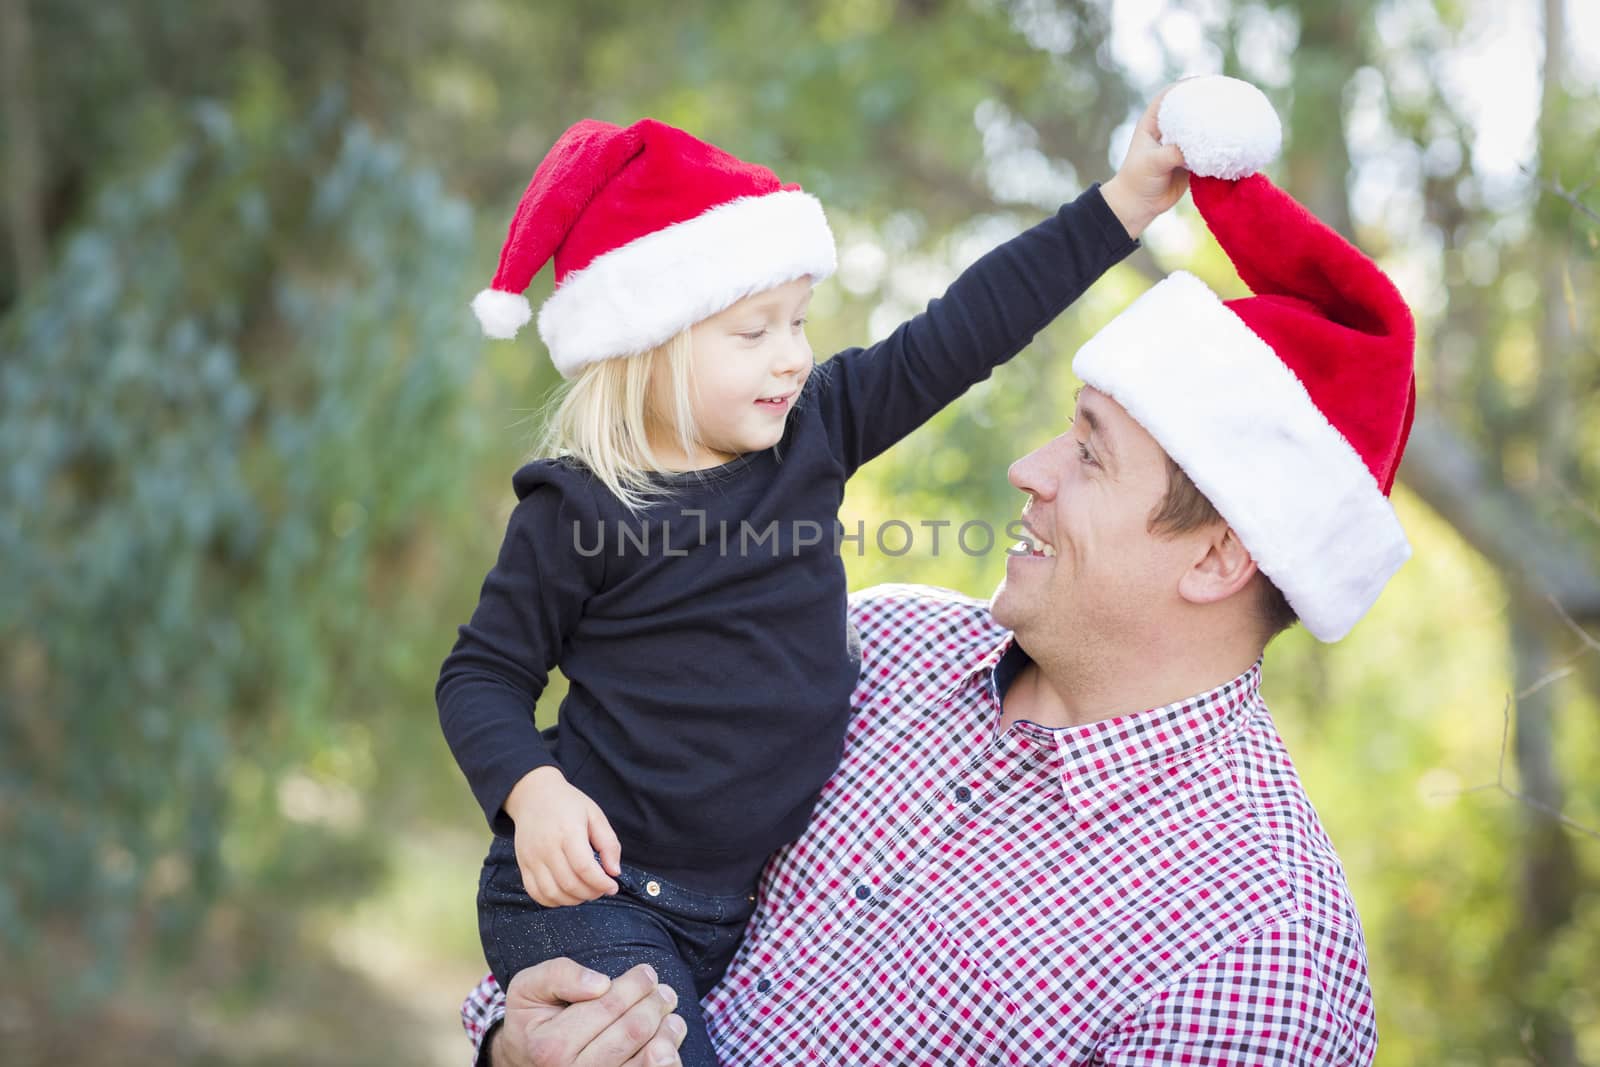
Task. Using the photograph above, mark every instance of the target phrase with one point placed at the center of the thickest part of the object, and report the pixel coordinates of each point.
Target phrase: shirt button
(862, 892)
(763, 985)
(963, 794)
(653, 888)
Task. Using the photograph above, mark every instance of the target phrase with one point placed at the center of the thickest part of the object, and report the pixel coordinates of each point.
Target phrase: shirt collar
(1097, 754)
(993, 671)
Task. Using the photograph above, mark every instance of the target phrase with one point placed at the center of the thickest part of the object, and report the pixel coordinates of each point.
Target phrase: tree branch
(1499, 783)
(1498, 522)
(1588, 645)
(1571, 196)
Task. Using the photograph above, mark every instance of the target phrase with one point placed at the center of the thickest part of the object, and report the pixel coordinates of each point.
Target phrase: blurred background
(255, 458)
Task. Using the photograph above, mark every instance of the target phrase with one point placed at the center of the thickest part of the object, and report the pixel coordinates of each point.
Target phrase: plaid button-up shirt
(1149, 889)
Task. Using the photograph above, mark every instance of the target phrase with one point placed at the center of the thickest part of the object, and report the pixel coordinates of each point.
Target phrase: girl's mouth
(775, 403)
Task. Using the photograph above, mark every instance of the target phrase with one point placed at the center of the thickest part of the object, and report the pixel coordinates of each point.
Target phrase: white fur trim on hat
(1229, 412)
(1226, 128)
(641, 294)
(501, 314)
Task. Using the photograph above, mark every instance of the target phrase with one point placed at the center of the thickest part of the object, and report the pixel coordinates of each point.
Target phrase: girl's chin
(761, 442)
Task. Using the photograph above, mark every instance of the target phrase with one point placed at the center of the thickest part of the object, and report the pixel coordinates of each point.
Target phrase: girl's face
(750, 362)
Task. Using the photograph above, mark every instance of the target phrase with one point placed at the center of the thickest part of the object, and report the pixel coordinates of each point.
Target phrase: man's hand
(559, 831)
(1151, 178)
(559, 1013)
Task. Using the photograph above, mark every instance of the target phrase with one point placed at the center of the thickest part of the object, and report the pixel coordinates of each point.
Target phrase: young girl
(676, 557)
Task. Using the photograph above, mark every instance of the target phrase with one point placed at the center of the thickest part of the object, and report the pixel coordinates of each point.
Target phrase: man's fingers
(553, 983)
(566, 1037)
(663, 1051)
(637, 1036)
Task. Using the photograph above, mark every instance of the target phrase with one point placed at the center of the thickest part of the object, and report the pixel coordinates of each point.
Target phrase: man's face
(1095, 573)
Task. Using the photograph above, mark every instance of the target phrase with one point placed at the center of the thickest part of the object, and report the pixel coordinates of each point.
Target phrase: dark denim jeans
(688, 937)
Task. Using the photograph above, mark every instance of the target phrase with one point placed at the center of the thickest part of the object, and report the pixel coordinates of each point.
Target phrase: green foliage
(218, 423)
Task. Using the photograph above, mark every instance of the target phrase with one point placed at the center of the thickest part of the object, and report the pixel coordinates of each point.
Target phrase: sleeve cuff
(491, 1027)
(1112, 234)
(493, 790)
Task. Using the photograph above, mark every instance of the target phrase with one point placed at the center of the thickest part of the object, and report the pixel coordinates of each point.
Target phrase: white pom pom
(501, 314)
(1225, 127)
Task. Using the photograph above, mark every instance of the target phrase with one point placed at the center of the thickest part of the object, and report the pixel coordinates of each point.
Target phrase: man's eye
(1085, 455)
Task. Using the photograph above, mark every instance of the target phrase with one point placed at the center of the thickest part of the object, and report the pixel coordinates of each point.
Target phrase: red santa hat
(651, 230)
(1288, 409)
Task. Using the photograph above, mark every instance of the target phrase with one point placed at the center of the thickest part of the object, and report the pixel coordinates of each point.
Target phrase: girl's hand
(1151, 178)
(559, 830)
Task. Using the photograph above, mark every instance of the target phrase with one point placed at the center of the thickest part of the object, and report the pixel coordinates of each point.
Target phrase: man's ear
(1222, 566)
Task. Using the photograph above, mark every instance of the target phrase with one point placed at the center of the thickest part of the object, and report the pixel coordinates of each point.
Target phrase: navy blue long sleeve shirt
(704, 639)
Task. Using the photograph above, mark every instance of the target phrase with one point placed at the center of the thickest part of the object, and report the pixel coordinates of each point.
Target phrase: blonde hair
(605, 415)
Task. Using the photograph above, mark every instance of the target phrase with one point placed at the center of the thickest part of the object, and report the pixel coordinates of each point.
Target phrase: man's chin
(1003, 606)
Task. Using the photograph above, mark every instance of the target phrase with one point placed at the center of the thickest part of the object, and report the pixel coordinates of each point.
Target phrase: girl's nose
(796, 356)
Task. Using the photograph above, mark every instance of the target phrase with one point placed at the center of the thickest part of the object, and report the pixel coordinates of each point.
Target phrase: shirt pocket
(935, 1003)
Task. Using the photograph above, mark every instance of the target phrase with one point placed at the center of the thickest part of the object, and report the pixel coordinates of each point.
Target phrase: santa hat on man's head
(1288, 409)
(651, 230)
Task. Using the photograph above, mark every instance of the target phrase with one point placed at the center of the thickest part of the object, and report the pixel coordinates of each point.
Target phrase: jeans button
(653, 888)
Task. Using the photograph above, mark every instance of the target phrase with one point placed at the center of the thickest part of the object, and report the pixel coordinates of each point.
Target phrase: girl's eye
(755, 335)
(800, 323)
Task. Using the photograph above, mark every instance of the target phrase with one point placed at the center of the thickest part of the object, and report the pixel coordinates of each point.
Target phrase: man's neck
(1058, 695)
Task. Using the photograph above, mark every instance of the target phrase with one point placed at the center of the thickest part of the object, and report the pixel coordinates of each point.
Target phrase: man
(1065, 828)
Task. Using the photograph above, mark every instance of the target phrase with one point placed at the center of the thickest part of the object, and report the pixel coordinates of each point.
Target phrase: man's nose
(1017, 474)
(1031, 473)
